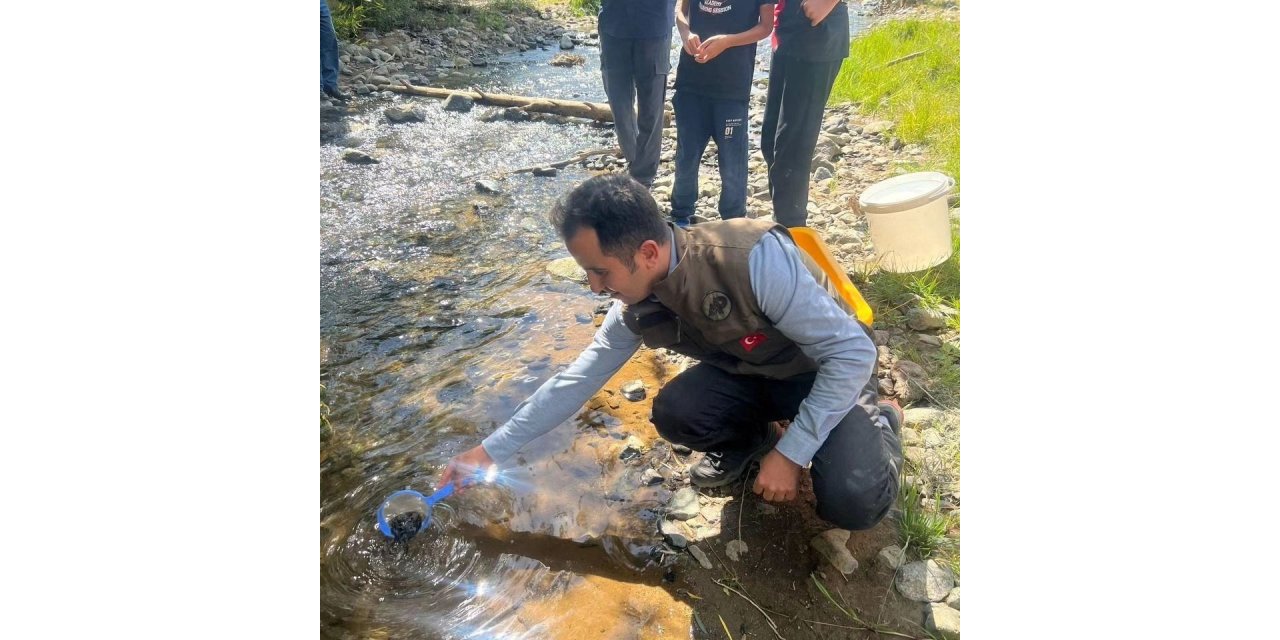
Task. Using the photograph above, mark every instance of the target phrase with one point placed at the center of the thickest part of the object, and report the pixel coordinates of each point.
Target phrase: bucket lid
(904, 192)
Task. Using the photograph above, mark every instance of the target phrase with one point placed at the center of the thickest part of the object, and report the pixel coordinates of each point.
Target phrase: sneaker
(719, 468)
(683, 223)
(893, 413)
(336, 94)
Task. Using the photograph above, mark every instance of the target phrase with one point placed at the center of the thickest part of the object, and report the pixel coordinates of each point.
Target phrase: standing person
(810, 41)
(713, 87)
(635, 42)
(329, 56)
(773, 341)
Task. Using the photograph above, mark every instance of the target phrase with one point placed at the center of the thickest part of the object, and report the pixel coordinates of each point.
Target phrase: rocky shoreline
(853, 153)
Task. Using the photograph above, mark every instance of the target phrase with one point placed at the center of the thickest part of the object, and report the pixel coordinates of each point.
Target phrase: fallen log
(576, 108)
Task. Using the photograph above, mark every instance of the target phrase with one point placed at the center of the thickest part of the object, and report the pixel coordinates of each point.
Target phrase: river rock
(633, 391)
(925, 581)
(821, 174)
(633, 448)
(681, 449)
(459, 102)
(379, 80)
(545, 172)
(488, 186)
(926, 319)
(917, 416)
(566, 42)
(358, 157)
(651, 477)
(831, 544)
(891, 557)
(909, 381)
(700, 556)
(953, 599)
(404, 113)
(943, 620)
(568, 269)
(928, 340)
(910, 437)
(516, 114)
(676, 533)
(479, 62)
(684, 505)
(879, 126)
(932, 438)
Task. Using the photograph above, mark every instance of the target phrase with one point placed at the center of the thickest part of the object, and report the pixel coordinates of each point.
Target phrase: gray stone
(910, 437)
(633, 391)
(379, 80)
(821, 174)
(881, 337)
(633, 448)
(488, 186)
(676, 534)
(891, 557)
(404, 113)
(516, 114)
(529, 224)
(734, 549)
(879, 126)
(925, 581)
(944, 620)
(566, 42)
(545, 171)
(651, 477)
(700, 556)
(922, 415)
(681, 449)
(925, 319)
(895, 143)
(928, 340)
(953, 599)
(684, 505)
(568, 269)
(932, 438)
(458, 102)
(831, 544)
(479, 62)
(358, 157)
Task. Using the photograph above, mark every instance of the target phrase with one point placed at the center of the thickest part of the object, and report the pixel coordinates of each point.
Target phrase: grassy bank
(352, 17)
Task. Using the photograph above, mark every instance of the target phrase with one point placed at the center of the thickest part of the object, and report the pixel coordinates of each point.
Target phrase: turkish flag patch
(752, 341)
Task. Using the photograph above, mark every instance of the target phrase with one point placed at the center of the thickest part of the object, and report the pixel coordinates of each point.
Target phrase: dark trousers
(634, 71)
(854, 472)
(798, 92)
(699, 119)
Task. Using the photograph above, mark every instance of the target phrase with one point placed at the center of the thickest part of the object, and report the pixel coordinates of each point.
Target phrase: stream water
(437, 318)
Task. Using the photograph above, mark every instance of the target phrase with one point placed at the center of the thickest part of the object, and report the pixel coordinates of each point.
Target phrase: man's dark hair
(618, 208)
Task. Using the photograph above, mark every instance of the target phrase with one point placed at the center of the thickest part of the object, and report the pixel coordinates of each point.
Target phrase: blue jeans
(328, 49)
(699, 119)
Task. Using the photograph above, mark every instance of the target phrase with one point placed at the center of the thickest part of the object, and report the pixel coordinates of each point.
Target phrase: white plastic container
(907, 215)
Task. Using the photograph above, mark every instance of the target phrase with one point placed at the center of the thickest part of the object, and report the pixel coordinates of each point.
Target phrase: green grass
(922, 532)
(921, 95)
(585, 7)
(352, 17)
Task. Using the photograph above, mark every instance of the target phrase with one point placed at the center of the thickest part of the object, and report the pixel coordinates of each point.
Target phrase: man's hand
(779, 478)
(712, 47)
(817, 10)
(692, 44)
(464, 465)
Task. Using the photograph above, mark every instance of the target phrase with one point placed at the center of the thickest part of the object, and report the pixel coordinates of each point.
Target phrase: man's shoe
(683, 223)
(336, 94)
(719, 468)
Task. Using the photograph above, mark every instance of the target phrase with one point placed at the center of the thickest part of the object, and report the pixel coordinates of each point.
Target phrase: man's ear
(649, 253)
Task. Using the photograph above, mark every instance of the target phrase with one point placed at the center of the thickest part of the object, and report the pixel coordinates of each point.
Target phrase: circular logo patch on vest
(716, 305)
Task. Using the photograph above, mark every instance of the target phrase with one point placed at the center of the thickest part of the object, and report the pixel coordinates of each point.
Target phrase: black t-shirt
(728, 75)
(794, 37)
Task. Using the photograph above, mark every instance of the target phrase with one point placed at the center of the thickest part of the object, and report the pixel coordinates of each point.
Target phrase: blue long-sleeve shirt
(792, 300)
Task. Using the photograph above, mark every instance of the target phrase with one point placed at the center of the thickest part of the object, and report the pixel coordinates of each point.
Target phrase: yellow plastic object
(809, 241)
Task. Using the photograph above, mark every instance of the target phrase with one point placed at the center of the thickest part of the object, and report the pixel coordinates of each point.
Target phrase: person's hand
(779, 478)
(691, 44)
(817, 10)
(712, 47)
(464, 465)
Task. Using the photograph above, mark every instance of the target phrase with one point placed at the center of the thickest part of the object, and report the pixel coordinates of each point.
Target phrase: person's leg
(730, 133)
(619, 87)
(855, 472)
(692, 133)
(652, 62)
(803, 101)
(773, 103)
(328, 50)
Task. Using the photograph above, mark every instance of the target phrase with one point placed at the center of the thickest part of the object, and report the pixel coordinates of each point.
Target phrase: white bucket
(907, 215)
